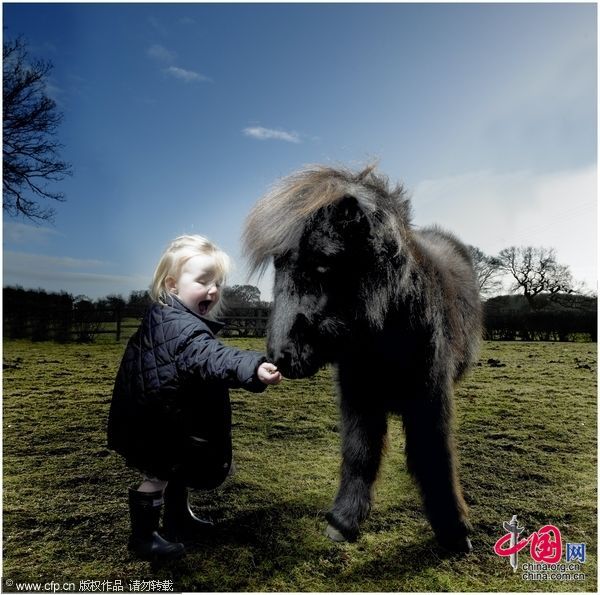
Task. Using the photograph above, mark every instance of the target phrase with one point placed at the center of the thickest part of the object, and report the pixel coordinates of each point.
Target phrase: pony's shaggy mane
(277, 221)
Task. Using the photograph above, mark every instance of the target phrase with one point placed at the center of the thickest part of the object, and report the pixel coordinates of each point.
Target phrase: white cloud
(158, 26)
(43, 265)
(188, 76)
(166, 57)
(54, 91)
(261, 133)
(74, 275)
(21, 233)
(161, 54)
(493, 211)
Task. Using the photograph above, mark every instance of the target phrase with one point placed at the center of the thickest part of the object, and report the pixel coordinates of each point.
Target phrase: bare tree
(242, 295)
(30, 121)
(535, 271)
(487, 271)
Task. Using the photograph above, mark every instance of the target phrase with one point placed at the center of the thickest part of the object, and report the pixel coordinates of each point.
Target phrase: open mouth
(204, 307)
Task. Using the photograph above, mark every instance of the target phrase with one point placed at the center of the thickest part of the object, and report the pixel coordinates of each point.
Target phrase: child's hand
(268, 374)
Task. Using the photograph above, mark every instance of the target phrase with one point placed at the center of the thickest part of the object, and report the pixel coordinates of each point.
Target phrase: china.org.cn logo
(545, 549)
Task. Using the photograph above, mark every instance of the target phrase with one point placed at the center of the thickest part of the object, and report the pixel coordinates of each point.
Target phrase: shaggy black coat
(170, 414)
(395, 308)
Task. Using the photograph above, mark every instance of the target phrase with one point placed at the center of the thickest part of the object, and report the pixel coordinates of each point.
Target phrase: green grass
(526, 433)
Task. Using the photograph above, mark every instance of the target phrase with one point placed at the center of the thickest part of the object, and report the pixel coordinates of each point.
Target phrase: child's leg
(145, 505)
(152, 484)
(180, 522)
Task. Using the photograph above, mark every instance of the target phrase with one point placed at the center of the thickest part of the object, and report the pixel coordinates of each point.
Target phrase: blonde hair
(177, 253)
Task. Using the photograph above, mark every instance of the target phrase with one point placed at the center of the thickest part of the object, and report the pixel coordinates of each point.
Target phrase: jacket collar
(214, 325)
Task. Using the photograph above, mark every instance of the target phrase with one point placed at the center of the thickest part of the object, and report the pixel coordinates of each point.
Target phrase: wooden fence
(239, 322)
(47, 323)
(246, 321)
(84, 325)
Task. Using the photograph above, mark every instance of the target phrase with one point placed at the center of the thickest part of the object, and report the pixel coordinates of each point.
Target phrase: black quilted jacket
(170, 413)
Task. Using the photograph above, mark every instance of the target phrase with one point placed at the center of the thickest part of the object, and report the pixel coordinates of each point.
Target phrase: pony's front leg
(431, 459)
(364, 427)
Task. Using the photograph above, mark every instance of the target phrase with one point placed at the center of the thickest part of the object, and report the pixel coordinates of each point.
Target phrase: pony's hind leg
(431, 460)
(363, 434)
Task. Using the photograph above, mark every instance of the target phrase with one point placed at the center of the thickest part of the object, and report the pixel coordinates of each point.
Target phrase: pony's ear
(349, 211)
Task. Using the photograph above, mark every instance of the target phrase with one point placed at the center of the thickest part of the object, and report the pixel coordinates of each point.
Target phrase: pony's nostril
(281, 356)
(284, 361)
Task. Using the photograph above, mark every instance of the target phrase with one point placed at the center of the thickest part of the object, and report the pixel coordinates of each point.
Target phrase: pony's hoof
(334, 534)
(461, 545)
(466, 546)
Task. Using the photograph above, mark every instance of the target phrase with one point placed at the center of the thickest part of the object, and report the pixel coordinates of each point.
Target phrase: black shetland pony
(395, 308)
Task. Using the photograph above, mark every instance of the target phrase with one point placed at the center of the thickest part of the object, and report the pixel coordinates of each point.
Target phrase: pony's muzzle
(294, 352)
(285, 361)
(291, 363)
(282, 358)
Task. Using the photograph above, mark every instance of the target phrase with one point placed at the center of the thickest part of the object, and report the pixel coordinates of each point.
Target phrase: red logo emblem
(545, 545)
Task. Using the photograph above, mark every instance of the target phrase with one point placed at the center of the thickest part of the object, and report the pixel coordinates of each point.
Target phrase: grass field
(527, 439)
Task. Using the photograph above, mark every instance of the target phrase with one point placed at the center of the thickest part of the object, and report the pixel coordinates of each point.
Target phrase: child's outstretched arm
(205, 356)
(268, 374)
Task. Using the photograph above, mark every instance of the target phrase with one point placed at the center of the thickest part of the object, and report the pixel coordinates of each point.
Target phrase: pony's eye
(322, 270)
(281, 260)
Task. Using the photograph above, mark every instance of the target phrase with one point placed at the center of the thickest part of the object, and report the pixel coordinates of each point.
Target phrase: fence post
(118, 314)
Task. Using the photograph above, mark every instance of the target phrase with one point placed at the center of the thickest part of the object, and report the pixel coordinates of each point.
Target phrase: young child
(170, 415)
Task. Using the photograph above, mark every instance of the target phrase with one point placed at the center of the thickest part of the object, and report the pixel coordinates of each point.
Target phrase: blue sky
(178, 117)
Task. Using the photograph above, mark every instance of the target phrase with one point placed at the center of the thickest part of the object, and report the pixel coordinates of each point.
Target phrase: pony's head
(336, 240)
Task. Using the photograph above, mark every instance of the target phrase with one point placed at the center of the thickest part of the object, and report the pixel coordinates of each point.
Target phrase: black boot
(144, 509)
(180, 523)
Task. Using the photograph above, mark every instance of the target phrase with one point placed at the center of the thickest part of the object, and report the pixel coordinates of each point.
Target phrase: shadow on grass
(243, 552)
(278, 547)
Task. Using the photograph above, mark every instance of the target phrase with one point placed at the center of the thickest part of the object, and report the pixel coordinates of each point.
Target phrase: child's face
(196, 285)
